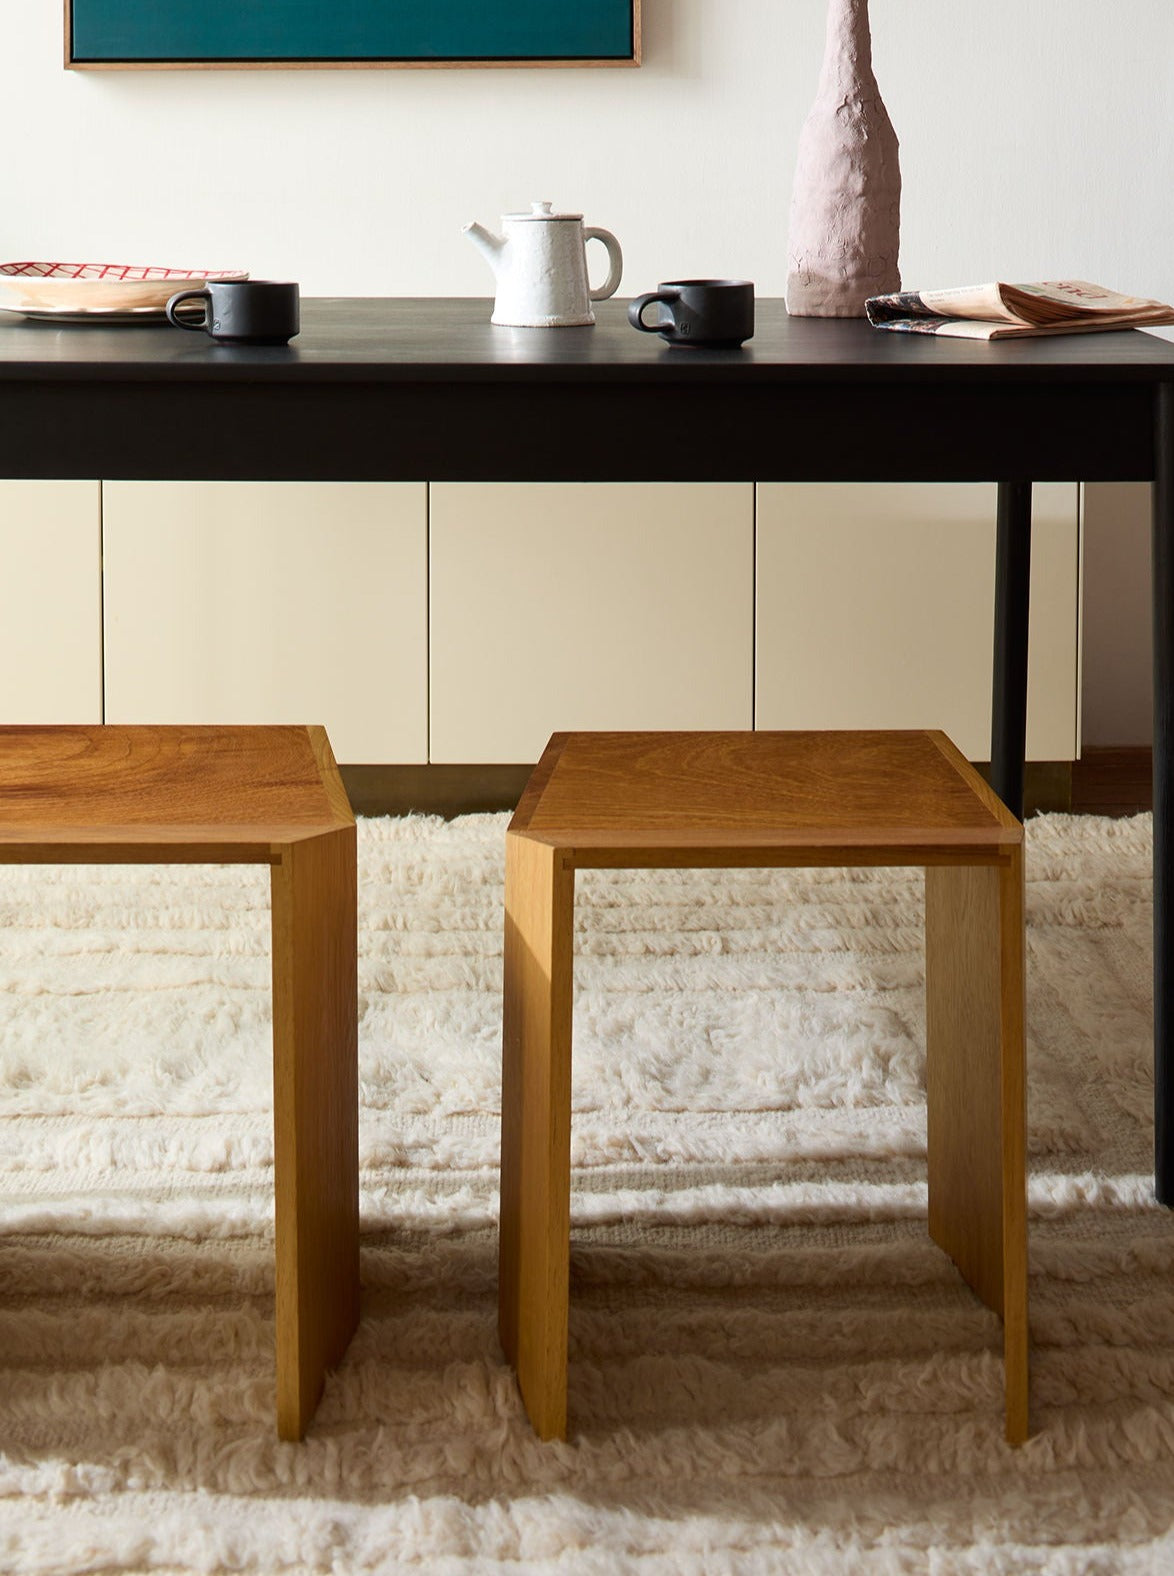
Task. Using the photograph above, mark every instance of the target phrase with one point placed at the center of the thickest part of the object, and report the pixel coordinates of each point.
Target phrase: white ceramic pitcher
(541, 267)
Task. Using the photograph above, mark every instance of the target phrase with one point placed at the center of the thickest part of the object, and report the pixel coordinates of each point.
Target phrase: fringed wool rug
(772, 1368)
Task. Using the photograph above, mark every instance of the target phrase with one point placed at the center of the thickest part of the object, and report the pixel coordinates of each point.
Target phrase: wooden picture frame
(144, 35)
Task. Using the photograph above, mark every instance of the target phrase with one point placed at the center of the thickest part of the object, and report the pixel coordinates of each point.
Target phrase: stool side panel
(534, 1244)
(976, 1096)
(1016, 1331)
(315, 1116)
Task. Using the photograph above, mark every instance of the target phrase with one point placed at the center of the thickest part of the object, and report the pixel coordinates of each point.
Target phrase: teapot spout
(489, 245)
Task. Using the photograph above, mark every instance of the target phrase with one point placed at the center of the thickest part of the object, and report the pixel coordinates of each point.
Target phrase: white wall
(1037, 141)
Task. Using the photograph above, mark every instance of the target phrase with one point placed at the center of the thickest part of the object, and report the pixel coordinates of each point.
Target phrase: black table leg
(1163, 624)
(1012, 598)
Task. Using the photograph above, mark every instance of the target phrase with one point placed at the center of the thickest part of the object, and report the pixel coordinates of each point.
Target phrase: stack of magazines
(999, 311)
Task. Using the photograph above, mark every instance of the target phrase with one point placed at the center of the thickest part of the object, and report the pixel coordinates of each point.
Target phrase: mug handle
(615, 257)
(636, 311)
(199, 326)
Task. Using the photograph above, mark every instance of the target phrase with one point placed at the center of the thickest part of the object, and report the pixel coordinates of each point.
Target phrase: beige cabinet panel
(586, 606)
(876, 610)
(271, 602)
(50, 602)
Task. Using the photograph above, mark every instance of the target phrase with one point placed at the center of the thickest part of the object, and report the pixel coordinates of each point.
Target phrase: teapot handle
(612, 283)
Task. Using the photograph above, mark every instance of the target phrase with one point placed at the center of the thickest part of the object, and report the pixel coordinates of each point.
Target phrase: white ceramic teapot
(541, 267)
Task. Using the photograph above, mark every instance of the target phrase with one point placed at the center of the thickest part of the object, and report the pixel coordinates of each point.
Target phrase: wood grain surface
(315, 1116)
(692, 798)
(534, 1244)
(977, 1097)
(211, 794)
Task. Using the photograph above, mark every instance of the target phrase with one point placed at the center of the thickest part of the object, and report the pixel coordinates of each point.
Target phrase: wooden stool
(269, 796)
(710, 800)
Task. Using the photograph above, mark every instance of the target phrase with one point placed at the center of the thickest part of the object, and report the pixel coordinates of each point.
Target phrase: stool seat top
(217, 794)
(803, 794)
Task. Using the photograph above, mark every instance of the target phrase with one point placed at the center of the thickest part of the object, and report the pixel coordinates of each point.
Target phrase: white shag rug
(772, 1368)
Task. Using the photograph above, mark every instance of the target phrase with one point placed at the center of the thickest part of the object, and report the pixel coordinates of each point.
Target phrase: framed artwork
(141, 34)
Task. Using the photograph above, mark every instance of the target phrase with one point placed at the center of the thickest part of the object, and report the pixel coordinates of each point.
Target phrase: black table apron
(391, 390)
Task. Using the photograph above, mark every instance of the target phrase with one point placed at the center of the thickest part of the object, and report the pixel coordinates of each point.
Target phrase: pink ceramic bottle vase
(846, 202)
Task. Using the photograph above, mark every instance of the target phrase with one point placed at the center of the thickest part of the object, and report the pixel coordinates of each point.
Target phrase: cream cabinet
(875, 609)
(271, 602)
(587, 606)
(50, 602)
(463, 624)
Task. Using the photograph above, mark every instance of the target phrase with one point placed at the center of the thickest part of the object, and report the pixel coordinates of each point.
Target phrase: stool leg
(976, 1093)
(534, 1263)
(315, 1117)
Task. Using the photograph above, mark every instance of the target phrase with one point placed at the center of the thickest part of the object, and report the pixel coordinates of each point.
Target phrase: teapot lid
(542, 210)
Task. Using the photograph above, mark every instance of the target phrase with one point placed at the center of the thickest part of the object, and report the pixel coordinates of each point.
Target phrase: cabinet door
(50, 602)
(586, 606)
(261, 602)
(876, 610)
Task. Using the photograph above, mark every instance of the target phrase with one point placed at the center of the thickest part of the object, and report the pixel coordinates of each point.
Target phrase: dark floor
(1113, 781)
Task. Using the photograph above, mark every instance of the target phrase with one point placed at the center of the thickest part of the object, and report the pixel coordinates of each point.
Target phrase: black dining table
(378, 389)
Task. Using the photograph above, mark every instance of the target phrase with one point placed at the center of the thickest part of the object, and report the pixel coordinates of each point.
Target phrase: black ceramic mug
(241, 311)
(717, 314)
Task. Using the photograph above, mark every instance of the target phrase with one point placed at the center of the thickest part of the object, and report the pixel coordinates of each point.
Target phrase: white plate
(81, 292)
(92, 315)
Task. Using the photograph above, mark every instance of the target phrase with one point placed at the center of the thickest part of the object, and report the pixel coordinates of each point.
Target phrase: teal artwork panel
(375, 30)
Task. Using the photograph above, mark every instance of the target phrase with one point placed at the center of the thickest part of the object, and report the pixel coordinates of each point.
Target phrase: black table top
(445, 340)
(387, 390)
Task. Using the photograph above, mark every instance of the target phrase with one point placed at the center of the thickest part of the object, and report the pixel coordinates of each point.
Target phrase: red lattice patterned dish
(96, 289)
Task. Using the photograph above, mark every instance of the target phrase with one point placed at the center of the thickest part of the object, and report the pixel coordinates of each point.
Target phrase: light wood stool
(725, 800)
(270, 796)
